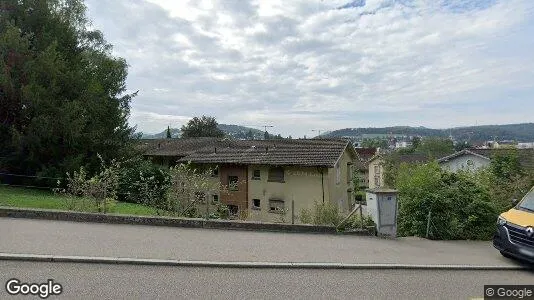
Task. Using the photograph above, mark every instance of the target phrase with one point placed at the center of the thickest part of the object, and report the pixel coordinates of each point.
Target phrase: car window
(528, 201)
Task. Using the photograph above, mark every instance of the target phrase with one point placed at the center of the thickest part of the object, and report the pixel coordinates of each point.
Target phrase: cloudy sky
(304, 65)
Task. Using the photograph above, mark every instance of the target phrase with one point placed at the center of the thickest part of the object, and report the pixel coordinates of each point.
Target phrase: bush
(100, 189)
(323, 214)
(141, 181)
(356, 222)
(459, 207)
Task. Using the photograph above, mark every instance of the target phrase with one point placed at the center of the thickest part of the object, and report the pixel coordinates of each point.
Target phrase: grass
(34, 198)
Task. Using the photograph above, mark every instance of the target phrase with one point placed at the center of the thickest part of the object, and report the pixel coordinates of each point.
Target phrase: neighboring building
(525, 146)
(402, 144)
(364, 155)
(276, 178)
(168, 152)
(376, 171)
(463, 160)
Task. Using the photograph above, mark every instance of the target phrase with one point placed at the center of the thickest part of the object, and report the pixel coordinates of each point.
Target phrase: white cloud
(306, 61)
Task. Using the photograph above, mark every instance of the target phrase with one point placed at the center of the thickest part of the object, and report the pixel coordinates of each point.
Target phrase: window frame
(254, 206)
(230, 186)
(213, 201)
(277, 211)
(254, 177)
(280, 179)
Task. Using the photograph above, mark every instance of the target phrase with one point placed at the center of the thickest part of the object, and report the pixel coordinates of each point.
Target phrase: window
(349, 172)
(233, 210)
(276, 206)
(276, 175)
(377, 181)
(200, 197)
(215, 199)
(256, 204)
(470, 164)
(377, 169)
(256, 174)
(338, 174)
(232, 183)
(215, 172)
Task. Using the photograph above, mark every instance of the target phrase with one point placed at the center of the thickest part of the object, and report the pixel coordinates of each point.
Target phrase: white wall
(461, 163)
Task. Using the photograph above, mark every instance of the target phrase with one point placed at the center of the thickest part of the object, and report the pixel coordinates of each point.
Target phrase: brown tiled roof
(365, 154)
(311, 152)
(175, 147)
(414, 158)
(526, 156)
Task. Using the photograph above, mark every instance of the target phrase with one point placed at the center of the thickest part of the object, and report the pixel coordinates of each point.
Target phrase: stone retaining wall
(45, 214)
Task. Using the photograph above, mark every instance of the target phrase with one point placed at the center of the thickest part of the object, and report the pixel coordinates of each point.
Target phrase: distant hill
(475, 134)
(235, 131)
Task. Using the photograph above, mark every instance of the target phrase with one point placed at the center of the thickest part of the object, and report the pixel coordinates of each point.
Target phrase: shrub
(455, 206)
(355, 221)
(141, 181)
(305, 216)
(100, 190)
(322, 214)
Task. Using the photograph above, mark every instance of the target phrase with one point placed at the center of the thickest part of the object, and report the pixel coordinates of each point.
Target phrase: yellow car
(515, 230)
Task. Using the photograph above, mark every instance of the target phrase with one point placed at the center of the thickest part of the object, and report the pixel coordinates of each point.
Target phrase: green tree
(249, 135)
(375, 143)
(506, 165)
(456, 206)
(201, 127)
(462, 146)
(434, 147)
(416, 142)
(169, 135)
(62, 92)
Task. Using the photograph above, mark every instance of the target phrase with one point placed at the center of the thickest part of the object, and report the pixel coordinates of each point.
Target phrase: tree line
(63, 95)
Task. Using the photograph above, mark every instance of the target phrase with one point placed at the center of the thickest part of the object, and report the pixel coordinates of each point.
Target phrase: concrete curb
(59, 215)
(249, 265)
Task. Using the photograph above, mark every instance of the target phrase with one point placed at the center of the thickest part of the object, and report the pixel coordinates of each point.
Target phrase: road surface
(136, 241)
(92, 281)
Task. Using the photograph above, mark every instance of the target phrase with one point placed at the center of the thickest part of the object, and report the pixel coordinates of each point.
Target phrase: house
(362, 165)
(464, 160)
(376, 166)
(525, 145)
(275, 179)
(167, 152)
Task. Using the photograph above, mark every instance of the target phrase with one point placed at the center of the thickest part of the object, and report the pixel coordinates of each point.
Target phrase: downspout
(322, 182)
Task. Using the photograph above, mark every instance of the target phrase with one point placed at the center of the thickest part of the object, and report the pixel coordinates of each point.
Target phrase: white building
(463, 160)
(525, 145)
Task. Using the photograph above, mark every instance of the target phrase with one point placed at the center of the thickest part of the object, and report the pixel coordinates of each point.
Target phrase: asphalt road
(28, 236)
(92, 281)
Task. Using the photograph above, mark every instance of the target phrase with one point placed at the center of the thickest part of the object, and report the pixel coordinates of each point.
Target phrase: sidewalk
(136, 241)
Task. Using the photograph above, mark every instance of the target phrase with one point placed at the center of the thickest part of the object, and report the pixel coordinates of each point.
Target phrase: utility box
(382, 207)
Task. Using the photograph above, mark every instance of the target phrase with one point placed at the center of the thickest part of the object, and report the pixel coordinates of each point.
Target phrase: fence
(29, 181)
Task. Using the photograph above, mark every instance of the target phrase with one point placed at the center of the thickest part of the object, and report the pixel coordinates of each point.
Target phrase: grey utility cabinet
(382, 207)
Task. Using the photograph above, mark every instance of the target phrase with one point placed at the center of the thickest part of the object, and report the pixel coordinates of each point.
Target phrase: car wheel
(506, 254)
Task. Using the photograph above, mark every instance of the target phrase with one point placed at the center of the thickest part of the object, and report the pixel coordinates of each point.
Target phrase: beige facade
(376, 172)
(282, 201)
(276, 179)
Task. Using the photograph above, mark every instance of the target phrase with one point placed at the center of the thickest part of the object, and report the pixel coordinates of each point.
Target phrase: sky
(305, 65)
